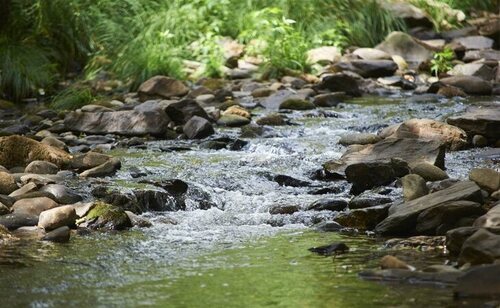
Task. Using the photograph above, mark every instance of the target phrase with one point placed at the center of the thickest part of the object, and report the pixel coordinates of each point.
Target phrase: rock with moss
(18, 151)
(104, 216)
(297, 104)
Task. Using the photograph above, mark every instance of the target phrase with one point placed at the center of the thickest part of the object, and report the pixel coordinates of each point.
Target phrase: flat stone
(404, 219)
(363, 219)
(469, 84)
(108, 168)
(162, 86)
(359, 138)
(484, 120)
(328, 204)
(371, 54)
(340, 82)
(368, 68)
(30, 187)
(62, 194)
(475, 42)
(41, 167)
(480, 70)
(59, 235)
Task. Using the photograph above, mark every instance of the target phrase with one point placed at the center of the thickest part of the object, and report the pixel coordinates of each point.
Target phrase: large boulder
(427, 129)
(125, 122)
(402, 44)
(198, 128)
(469, 84)
(404, 219)
(340, 82)
(7, 183)
(182, 111)
(19, 151)
(413, 151)
(62, 194)
(480, 248)
(162, 87)
(33, 206)
(366, 175)
(106, 217)
(480, 282)
(57, 217)
(369, 68)
(483, 120)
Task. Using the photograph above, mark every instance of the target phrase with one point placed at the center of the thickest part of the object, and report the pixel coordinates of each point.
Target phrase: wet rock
(402, 44)
(479, 141)
(237, 110)
(389, 261)
(484, 120)
(446, 216)
(480, 248)
(162, 87)
(28, 188)
(39, 179)
(255, 131)
(81, 209)
(340, 82)
(232, 120)
(262, 92)
(33, 206)
(285, 180)
(363, 219)
(450, 91)
(155, 200)
(19, 219)
(437, 186)
(490, 219)
(364, 176)
(57, 217)
(126, 122)
(368, 68)
(455, 238)
(138, 221)
(106, 217)
(414, 187)
(365, 200)
(413, 151)
(41, 167)
(429, 172)
(469, 84)
(479, 282)
(88, 160)
(371, 54)
(427, 129)
(7, 183)
(487, 179)
(181, 112)
(480, 70)
(328, 204)
(404, 219)
(108, 168)
(329, 99)
(62, 194)
(274, 101)
(328, 226)
(325, 54)
(422, 243)
(273, 119)
(474, 42)
(332, 249)
(54, 142)
(359, 138)
(296, 104)
(284, 209)
(486, 54)
(198, 128)
(59, 235)
(20, 151)
(397, 81)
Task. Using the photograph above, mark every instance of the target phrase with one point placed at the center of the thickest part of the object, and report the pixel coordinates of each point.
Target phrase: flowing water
(235, 253)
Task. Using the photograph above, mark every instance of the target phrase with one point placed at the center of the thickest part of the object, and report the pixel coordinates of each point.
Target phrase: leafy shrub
(441, 61)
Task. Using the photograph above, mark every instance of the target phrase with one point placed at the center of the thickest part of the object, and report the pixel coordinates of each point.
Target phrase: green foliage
(72, 98)
(441, 61)
(474, 5)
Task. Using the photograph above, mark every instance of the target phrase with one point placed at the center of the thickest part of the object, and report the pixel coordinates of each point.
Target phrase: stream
(235, 253)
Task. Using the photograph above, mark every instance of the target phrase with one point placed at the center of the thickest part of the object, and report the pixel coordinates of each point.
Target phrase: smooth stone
(340, 82)
(475, 42)
(59, 235)
(16, 220)
(107, 169)
(233, 120)
(328, 204)
(402, 44)
(359, 138)
(296, 104)
(371, 54)
(389, 261)
(162, 86)
(329, 99)
(7, 183)
(283, 209)
(480, 70)
(30, 187)
(363, 219)
(365, 200)
(324, 54)
(479, 282)
(480, 248)
(328, 226)
(33, 206)
(54, 142)
(487, 179)
(414, 187)
(469, 84)
(57, 217)
(429, 172)
(41, 167)
(88, 160)
(63, 194)
(368, 68)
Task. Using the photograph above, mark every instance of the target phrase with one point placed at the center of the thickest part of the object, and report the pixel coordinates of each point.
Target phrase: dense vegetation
(45, 42)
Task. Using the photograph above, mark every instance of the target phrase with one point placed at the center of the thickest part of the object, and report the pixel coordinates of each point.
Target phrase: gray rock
(359, 138)
(363, 219)
(88, 160)
(41, 167)
(446, 216)
(368, 199)
(59, 235)
(161, 86)
(364, 176)
(57, 217)
(274, 101)
(198, 128)
(182, 111)
(480, 248)
(371, 54)
(413, 187)
(232, 120)
(329, 99)
(7, 183)
(455, 238)
(16, 220)
(284, 209)
(62, 194)
(54, 142)
(475, 42)
(33, 206)
(429, 172)
(138, 221)
(479, 282)
(483, 120)
(368, 68)
(30, 187)
(328, 226)
(469, 84)
(294, 103)
(108, 168)
(487, 179)
(403, 221)
(126, 122)
(328, 204)
(490, 219)
(486, 54)
(480, 70)
(340, 82)
(402, 44)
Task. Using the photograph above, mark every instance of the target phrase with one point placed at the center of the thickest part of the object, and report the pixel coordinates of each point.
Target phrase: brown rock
(34, 206)
(162, 86)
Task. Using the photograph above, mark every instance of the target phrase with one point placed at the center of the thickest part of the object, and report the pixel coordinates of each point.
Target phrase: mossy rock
(104, 216)
(20, 151)
(273, 119)
(297, 104)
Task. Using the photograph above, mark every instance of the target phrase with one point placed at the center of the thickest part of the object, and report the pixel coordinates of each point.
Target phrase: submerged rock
(393, 262)
(328, 204)
(59, 235)
(332, 249)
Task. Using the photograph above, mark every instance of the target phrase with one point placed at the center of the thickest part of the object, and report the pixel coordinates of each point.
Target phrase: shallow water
(235, 253)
